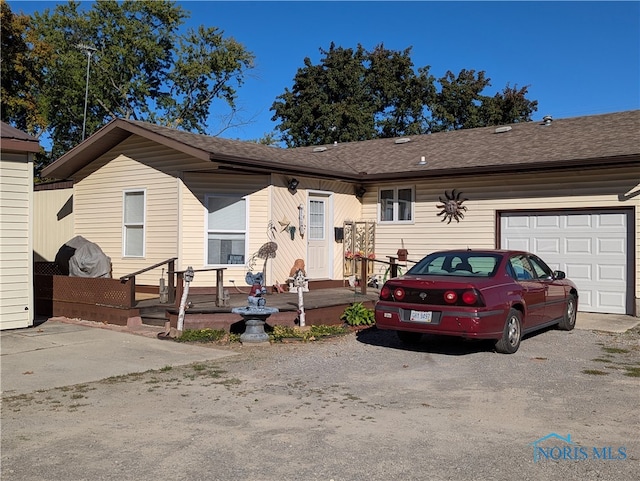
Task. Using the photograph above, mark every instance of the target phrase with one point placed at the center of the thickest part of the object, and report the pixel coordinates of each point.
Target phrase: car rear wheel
(568, 322)
(512, 334)
(409, 337)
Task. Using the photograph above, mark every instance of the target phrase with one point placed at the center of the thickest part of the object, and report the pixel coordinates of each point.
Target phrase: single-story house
(16, 216)
(566, 189)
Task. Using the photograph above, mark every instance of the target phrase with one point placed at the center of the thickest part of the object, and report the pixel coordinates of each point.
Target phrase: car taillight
(398, 293)
(470, 297)
(450, 297)
(385, 292)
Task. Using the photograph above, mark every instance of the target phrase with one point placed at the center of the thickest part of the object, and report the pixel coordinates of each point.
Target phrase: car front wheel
(568, 322)
(512, 334)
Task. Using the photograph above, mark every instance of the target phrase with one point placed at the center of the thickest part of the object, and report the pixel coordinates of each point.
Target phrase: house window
(226, 230)
(316, 220)
(133, 223)
(396, 204)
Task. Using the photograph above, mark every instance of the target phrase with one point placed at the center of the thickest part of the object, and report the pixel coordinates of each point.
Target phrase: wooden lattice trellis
(359, 241)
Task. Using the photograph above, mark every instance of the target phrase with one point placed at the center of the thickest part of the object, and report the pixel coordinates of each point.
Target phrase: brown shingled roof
(17, 140)
(592, 140)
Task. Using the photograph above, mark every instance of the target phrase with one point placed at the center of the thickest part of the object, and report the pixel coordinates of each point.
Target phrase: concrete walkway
(56, 354)
(63, 352)
(591, 321)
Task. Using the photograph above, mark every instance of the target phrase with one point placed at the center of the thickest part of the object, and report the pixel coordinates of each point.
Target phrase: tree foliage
(353, 94)
(143, 68)
(20, 81)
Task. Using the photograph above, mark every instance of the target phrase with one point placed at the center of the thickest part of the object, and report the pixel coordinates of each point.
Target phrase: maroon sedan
(477, 294)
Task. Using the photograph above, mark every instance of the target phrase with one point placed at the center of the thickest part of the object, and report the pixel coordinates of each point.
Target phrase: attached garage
(595, 248)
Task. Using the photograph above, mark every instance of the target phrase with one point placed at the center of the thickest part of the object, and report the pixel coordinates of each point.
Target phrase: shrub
(358, 315)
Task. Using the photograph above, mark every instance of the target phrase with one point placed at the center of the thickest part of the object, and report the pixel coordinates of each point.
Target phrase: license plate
(421, 316)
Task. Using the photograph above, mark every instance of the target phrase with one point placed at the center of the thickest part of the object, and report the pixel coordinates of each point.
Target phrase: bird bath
(255, 313)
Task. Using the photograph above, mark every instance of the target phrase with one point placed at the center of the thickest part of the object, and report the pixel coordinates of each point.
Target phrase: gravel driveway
(358, 407)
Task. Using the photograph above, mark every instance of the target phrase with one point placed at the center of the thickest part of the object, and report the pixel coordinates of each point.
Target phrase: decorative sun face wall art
(451, 206)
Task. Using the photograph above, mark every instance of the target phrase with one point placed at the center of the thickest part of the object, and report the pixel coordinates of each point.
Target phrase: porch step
(154, 316)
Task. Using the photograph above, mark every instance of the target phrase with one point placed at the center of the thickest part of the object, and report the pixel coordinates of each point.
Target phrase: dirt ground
(358, 407)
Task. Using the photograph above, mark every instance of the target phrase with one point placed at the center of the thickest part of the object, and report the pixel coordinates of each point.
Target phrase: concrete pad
(56, 354)
(592, 321)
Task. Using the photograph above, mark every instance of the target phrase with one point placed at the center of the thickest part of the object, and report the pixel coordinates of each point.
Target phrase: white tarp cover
(88, 259)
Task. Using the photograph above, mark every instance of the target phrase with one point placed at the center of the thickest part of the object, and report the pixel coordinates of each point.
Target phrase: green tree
(400, 96)
(20, 81)
(356, 95)
(142, 67)
(509, 106)
(328, 102)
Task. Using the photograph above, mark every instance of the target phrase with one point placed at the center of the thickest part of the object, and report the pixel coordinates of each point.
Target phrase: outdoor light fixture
(360, 191)
(293, 185)
(423, 161)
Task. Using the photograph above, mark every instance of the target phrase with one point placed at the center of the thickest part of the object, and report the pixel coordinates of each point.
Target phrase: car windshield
(468, 264)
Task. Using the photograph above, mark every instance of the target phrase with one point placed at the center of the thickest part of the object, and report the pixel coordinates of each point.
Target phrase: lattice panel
(359, 241)
(98, 291)
(46, 269)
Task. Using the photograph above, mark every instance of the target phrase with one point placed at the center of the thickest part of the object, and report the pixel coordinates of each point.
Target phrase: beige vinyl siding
(16, 252)
(344, 204)
(99, 204)
(584, 189)
(52, 222)
(193, 232)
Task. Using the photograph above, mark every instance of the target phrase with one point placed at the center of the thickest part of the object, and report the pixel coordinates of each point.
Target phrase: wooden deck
(321, 306)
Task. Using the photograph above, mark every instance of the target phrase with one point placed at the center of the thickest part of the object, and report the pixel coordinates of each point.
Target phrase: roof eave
(614, 161)
(264, 166)
(105, 139)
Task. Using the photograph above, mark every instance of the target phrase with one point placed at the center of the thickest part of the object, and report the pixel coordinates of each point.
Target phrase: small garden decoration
(452, 207)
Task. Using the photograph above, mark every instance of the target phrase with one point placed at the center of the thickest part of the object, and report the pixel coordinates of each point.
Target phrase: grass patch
(615, 350)
(599, 359)
(632, 371)
(594, 372)
(202, 335)
(279, 333)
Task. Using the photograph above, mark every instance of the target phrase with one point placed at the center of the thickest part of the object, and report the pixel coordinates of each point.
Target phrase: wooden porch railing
(220, 298)
(171, 264)
(393, 269)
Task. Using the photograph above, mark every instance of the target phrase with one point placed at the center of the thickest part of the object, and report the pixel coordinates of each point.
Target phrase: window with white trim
(316, 220)
(133, 223)
(396, 204)
(226, 229)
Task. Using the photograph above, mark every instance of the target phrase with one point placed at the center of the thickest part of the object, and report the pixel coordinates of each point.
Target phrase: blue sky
(578, 58)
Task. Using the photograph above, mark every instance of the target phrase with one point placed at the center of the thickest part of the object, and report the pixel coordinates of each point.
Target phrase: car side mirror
(559, 274)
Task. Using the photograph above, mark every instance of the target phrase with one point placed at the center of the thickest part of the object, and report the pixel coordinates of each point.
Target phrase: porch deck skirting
(92, 299)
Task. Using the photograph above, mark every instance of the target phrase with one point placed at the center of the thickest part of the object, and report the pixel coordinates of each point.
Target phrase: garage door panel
(551, 245)
(518, 244)
(591, 247)
(609, 299)
(611, 273)
(586, 299)
(547, 221)
(611, 246)
(517, 222)
(578, 272)
(577, 221)
(612, 220)
(578, 245)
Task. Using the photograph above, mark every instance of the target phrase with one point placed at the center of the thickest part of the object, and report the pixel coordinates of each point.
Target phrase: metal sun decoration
(452, 207)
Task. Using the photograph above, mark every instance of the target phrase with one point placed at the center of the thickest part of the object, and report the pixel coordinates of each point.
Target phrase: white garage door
(590, 247)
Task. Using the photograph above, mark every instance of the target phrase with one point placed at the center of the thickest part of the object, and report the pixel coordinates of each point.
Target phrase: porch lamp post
(89, 51)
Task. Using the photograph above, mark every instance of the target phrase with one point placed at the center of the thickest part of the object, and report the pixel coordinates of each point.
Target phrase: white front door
(318, 237)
